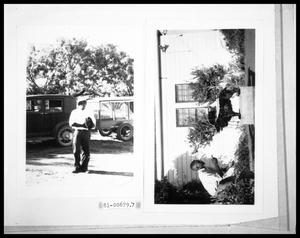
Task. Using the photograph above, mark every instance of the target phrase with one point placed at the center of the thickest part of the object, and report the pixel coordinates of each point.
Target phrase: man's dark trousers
(81, 139)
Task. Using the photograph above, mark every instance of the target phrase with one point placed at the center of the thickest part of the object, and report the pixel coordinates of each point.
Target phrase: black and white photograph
(80, 110)
(149, 118)
(208, 84)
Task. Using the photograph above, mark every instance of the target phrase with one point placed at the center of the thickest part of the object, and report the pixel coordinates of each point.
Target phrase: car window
(106, 111)
(34, 105)
(28, 105)
(53, 105)
(121, 110)
(130, 110)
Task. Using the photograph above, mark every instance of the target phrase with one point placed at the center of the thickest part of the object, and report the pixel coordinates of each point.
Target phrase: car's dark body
(47, 114)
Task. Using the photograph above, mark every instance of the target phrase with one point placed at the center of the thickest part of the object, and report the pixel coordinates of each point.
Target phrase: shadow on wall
(182, 174)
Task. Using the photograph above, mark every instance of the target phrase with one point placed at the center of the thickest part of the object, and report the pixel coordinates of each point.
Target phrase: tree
(207, 87)
(235, 43)
(72, 65)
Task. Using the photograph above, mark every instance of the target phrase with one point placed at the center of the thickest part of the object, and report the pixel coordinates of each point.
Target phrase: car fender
(58, 125)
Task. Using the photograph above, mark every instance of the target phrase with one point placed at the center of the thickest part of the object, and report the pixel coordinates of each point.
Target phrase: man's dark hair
(195, 161)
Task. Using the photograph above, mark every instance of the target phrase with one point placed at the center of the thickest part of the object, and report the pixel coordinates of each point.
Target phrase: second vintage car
(113, 115)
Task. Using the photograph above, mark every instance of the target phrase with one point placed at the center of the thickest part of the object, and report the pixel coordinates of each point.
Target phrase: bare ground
(111, 162)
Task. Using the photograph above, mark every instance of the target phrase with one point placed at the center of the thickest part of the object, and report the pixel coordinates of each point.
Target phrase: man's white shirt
(79, 116)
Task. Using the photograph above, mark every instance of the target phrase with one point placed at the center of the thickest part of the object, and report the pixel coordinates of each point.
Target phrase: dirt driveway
(111, 162)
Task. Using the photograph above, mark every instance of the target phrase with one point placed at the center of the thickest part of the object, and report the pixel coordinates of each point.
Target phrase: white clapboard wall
(181, 174)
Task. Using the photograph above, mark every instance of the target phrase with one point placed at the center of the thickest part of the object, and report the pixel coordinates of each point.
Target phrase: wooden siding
(181, 174)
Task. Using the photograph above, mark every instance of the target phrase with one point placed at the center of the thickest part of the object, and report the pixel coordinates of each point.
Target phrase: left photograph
(80, 109)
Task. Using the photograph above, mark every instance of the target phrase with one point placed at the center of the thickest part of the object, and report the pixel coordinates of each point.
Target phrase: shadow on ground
(50, 149)
(110, 173)
(49, 153)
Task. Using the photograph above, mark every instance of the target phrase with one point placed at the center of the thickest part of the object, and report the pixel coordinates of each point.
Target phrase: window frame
(196, 115)
(176, 93)
(111, 108)
(56, 99)
(41, 111)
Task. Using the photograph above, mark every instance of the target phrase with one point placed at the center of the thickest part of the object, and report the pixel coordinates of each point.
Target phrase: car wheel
(105, 132)
(125, 132)
(64, 136)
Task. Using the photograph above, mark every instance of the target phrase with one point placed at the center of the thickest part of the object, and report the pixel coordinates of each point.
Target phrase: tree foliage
(235, 43)
(207, 87)
(72, 65)
(201, 134)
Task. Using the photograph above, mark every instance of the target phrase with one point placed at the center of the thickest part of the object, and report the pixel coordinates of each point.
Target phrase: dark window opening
(53, 105)
(34, 105)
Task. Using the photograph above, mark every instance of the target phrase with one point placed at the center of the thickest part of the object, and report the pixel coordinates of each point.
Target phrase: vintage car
(47, 118)
(113, 115)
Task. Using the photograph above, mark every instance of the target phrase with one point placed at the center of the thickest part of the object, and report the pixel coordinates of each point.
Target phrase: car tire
(105, 132)
(64, 136)
(125, 132)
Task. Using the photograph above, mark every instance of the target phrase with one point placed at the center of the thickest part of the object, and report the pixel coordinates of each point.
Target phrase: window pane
(121, 110)
(106, 111)
(37, 105)
(28, 105)
(186, 116)
(53, 105)
(184, 93)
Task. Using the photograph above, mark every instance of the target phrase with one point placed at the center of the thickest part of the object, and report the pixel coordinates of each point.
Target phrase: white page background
(57, 209)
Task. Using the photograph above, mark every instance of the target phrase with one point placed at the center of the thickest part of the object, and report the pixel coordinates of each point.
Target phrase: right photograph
(205, 132)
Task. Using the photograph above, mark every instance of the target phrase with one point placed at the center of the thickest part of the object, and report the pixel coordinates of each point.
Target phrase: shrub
(165, 192)
(208, 87)
(191, 193)
(201, 134)
(235, 43)
(194, 193)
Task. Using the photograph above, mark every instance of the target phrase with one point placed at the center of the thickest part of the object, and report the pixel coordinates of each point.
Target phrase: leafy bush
(165, 192)
(201, 134)
(191, 193)
(235, 43)
(208, 87)
(194, 193)
(239, 192)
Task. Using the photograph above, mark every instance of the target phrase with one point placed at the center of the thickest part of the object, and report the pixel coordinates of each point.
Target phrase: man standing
(81, 120)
